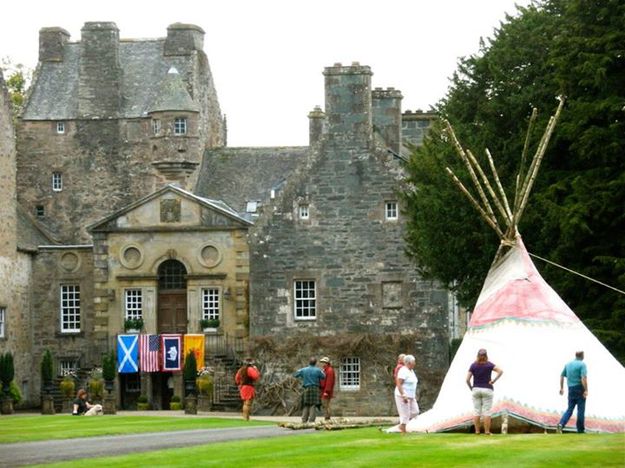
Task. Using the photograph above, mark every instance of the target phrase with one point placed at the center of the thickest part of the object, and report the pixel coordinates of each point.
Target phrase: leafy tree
(576, 214)
(47, 367)
(17, 78)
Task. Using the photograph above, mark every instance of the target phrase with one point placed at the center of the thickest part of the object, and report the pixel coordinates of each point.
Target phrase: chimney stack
(52, 44)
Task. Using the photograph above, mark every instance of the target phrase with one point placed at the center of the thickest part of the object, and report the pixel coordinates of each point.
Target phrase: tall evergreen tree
(576, 216)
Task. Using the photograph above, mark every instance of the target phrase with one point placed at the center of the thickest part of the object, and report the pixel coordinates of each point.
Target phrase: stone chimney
(183, 39)
(316, 125)
(99, 87)
(52, 44)
(348, 104)
(387, 115)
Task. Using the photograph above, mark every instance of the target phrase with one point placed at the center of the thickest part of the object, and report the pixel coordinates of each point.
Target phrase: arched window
(172, 275)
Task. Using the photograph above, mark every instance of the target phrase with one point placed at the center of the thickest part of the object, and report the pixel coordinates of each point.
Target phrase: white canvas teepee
(530, 333)
(527, 329)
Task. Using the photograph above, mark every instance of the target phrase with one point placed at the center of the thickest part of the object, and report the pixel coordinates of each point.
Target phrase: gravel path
(49, 451)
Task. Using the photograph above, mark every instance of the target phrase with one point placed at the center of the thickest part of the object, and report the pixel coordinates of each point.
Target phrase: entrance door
(172, 297)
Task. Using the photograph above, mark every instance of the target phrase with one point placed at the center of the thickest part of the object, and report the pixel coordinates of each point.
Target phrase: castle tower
(387, 116)
(176, 148)
(348, 104)
(52, 44)
(8, 223)
(183, 39)
(316, 125)
(99, 87)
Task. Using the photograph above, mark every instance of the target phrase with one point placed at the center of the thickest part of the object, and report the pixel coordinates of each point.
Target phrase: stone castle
(122, 200)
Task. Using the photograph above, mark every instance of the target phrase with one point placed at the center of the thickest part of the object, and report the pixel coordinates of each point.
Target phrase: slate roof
(172, 95)
(29, 233)
(54, 94)
(239, 175)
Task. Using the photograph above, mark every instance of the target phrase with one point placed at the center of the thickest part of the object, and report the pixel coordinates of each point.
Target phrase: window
(3, 314)
(40, 212)
(57, 181)
(305, 300)
(68, 367)
(156, 126)
(134, 304)
(210, 303)
(390, 211)
(70, 308)
(349, 374)
(60, 127)
(303, 212)
(180, 126)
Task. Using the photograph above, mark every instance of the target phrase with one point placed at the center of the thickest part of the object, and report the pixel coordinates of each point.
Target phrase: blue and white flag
(127, 354)
(171, 349)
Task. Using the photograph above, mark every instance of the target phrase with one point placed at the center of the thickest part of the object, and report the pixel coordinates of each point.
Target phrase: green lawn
(31, 428)
(370, 448)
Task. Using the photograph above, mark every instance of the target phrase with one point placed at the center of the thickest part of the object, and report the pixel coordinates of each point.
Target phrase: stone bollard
(7, 405)
(190, 404)
(109, 406)
(47, 404)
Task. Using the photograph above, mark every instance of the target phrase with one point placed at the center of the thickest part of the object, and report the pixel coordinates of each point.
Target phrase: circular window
(131, 257)
(70, 262)
(209, 256)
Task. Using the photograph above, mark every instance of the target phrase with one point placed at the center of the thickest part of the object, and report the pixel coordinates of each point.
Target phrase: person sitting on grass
(83, 407)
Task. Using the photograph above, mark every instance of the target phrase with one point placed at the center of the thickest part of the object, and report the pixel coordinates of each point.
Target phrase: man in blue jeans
(576, 379)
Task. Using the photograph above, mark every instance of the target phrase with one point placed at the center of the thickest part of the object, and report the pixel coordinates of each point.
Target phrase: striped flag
(148, 352)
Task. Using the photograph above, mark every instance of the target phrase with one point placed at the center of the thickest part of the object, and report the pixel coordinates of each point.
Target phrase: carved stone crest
(170, 210)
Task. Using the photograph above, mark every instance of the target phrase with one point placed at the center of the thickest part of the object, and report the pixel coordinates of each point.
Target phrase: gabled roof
(30, 234)
(216, 205)
(54, 94)
(239, 175)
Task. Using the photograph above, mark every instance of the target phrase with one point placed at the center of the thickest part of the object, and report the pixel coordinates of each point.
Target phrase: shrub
(142, 399)
(175, 406)
(7, 370)
(133, 324)
(205, 385)
(108, 366)
(209, 323)
(14, 392)
(47, 367)
(175, 399)
(67, 386)
(190, 367)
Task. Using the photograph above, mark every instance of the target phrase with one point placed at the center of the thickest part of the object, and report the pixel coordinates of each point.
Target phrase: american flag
(148, 349)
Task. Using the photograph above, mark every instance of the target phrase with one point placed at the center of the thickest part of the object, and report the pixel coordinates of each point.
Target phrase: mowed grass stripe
(34, 428)
(371, 448)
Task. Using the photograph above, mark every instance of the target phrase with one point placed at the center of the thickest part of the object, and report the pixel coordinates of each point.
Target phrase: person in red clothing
(327, 387)
(245, 378)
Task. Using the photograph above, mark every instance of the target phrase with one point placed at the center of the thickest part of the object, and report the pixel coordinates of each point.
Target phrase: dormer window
(156, 126)
(60, 127)
(304, 212)
(180, 126)
(57, 181)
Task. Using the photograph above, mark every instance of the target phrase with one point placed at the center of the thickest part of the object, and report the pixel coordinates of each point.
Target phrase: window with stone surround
(57, 181)
(391, 294)
(304, 212)
(40, 211)
(349, 374)
(156, 126)
(180, 126)
(305, 295)
(60, 127)
(70, 308)
(391, 212)
(133, 298)
(68, 367)
(210, 303)
(3, 315)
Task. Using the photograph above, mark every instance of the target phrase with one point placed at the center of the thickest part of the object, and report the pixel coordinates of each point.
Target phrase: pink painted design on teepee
(517, 291)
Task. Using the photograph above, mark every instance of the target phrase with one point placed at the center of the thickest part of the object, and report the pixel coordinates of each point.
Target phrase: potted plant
(133, 325)
(209, 325)
(47, 370)
(7, 372)
(175, 403)
(108, 371)
(142, 403)
(204, 384)
(96, 384)
(189, 373)
(68, 389)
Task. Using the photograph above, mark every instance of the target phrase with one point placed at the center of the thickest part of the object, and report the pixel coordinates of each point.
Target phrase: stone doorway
(172, 298)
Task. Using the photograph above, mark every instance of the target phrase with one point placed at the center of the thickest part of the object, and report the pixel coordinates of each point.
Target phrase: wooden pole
(502, 193)
(526, 146)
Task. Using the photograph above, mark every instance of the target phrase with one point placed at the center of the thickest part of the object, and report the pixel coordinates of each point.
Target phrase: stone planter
(210, 330)
(47, 404)
(190, 404)
(6, 407)
(204, 403)
(133, 331)
(143, 406)
(109, 406)
(68, 406)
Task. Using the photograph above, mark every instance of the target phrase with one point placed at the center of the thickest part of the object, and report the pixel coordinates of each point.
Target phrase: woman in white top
(406, 392)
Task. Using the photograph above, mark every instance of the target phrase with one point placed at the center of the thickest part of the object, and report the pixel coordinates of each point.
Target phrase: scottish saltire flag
(196, 343)
(127, 354)
(172, 349)
(148, 352)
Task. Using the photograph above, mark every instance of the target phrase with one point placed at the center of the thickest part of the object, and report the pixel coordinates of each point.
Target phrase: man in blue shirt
(576, 379)
(311, 378)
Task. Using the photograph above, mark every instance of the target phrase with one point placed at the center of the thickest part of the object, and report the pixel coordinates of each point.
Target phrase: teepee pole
(502, 193)
(492, 193)
(476, 205)
(526, 145)
(538, 157)
(467, 163)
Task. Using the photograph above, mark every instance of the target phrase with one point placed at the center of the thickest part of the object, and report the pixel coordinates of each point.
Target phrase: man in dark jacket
(327, 386)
